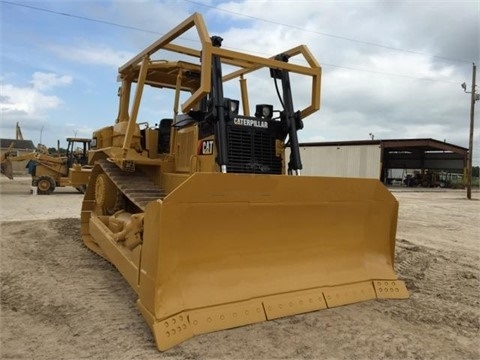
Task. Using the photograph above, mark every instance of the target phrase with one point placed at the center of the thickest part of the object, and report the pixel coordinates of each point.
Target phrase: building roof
(425, 145)
(17, 144)
(411, 145)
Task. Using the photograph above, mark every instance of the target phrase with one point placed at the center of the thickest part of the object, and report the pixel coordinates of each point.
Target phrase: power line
(80, 17)
(390, 74)
(85, 18)
(327, 34)
(238, 14)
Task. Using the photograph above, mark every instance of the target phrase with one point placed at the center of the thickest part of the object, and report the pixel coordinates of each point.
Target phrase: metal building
(341, 159)
(375, 158)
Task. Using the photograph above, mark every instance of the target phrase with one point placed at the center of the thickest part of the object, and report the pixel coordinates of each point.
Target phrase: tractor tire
(45, 185)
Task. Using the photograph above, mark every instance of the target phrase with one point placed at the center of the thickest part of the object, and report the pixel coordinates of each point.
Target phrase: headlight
(232, 107)
(264, 111)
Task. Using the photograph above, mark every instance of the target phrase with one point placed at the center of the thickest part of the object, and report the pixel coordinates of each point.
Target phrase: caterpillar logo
(206, 147)
(251, 122)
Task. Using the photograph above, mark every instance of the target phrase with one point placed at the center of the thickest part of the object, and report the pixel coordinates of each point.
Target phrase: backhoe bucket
(6, 168)
(225, 250)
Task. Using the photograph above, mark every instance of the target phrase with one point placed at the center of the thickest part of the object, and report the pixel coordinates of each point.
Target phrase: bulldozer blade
(7, 169)
(225, 250)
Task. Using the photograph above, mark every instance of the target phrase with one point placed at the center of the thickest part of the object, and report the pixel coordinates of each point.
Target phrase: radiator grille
(252, 150)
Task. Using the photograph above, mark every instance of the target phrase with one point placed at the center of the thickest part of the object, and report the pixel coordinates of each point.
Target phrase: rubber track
(136, 186)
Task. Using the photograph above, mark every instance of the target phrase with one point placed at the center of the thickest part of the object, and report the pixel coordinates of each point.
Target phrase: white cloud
(359, 93)
(31, 102)
(45, 81)
(95, 54)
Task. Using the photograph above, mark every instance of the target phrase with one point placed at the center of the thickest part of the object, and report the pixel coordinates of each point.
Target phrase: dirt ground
(61, 301)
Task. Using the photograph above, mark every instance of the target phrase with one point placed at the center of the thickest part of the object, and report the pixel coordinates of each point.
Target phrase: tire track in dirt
(448, 282)
(56, 286)
(60, 300)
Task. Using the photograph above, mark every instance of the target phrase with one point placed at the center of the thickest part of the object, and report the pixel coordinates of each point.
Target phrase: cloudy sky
(390, 68)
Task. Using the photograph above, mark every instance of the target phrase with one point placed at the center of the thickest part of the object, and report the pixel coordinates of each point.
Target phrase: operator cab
(77, 150)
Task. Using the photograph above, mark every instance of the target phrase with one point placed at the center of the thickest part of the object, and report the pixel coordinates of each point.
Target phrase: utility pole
(474, 98)
(41, 132)
(18, 135)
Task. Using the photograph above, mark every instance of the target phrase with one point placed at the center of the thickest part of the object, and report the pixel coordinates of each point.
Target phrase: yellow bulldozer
(204, 216)
(48, 171)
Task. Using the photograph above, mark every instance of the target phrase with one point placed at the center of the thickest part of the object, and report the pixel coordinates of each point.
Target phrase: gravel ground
(61, 301)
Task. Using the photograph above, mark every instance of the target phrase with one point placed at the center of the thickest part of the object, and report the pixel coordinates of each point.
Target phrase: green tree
(475, 171)
(57, 152)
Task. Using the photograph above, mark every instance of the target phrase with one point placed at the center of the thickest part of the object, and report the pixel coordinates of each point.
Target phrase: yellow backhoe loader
(49, 172)
(204, 216)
